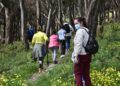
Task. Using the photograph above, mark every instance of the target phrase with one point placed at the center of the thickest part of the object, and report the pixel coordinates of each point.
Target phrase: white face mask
(77, 26)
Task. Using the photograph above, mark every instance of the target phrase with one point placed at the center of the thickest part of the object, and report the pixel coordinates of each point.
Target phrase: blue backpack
(31, 31)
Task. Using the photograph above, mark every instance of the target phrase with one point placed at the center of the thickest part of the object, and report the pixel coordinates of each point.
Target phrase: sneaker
(40, 62)
(62, 56)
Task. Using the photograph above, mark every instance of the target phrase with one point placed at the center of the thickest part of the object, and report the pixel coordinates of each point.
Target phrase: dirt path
(36, 75)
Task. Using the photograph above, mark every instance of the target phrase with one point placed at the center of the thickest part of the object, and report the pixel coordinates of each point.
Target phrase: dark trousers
(82, 70)
(62, 47)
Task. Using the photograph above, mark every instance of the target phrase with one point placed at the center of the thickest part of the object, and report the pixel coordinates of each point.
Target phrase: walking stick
(47, 60)
(47, 53)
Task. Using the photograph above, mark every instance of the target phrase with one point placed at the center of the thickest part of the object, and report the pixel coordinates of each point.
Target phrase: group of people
(61, 39)
(58, 40)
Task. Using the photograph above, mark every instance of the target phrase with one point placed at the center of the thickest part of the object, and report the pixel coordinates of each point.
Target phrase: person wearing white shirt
(81, 58)
(68, 36)
(61, 35)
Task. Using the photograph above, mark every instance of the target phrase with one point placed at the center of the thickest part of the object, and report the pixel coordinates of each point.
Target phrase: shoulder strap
(86, 30)
(88, 38)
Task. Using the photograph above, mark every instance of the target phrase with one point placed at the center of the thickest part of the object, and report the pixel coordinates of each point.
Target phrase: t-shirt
(61, 34)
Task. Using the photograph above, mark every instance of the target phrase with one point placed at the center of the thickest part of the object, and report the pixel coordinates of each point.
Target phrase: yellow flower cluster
(108, 77)
(15, 80)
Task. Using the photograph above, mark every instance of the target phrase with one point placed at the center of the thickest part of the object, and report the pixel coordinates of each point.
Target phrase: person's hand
(75, 59)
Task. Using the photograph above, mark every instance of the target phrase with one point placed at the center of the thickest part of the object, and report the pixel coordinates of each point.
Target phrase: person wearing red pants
(81, 58)
(82, 70)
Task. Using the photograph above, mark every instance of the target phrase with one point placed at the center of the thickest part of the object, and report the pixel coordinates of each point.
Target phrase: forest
(16, 68)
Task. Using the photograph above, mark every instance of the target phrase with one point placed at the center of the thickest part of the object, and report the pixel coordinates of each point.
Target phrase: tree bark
(37, 12)
(24, 36)
(60, 16)
(7, 25)
(92, 17)
(48, 22)
(22, 20)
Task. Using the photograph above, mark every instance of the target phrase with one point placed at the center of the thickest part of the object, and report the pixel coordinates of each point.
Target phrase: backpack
(92, 44)
(67, 28)
(30, 32)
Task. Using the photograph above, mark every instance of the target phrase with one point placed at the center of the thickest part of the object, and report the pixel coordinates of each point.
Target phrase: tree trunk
(89, 10)
(24, 36)
(37, 12)
(7, 25)
(60, 16)
(81, 9)
(48, 22)
(22, 20)
(70, 14)
(92, 16)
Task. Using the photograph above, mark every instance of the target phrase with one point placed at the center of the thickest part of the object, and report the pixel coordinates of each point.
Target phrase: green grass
(15, 60)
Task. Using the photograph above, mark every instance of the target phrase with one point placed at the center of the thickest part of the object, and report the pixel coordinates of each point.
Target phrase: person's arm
(71, 28)
(46, 42)
(78, 42)
(65, 32)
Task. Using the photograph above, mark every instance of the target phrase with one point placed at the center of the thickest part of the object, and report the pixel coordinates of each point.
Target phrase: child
(38, 40)
(54, 45)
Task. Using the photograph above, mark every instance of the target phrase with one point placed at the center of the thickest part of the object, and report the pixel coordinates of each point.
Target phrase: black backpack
(92, 44)
(67, 28)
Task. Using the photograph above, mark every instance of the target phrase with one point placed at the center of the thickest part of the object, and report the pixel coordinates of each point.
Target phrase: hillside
(16, 66)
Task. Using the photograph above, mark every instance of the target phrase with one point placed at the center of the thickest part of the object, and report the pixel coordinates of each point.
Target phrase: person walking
(61, 34)
(54, 45)
(81, 58)
(69, 29)
(39, 39)
(30, 32)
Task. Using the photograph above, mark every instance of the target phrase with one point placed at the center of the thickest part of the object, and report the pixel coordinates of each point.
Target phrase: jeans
(68, 42)
(82, 70)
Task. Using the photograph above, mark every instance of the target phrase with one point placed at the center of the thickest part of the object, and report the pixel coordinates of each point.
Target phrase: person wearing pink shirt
(54, 45)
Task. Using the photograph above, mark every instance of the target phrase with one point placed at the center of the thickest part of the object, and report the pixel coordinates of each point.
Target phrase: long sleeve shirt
(40, 38)
(80, 41)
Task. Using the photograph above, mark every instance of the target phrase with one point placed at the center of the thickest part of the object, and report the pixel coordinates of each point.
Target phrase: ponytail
(83, 20)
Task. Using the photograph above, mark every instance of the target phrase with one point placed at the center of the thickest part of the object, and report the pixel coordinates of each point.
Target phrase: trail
(36, 75)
